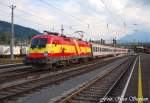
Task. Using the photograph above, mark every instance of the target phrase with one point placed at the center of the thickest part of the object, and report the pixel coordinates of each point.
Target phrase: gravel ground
(47, 94)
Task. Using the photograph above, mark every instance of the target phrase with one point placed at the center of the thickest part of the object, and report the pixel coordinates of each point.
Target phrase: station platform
(137, 88)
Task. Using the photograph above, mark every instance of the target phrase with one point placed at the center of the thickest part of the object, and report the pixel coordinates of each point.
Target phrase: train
(52, 49)
(17, 50)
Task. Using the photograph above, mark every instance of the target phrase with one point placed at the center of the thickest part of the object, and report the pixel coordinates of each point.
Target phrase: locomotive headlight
(45, 53)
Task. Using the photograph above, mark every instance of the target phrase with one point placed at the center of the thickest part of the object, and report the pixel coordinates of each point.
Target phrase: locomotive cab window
(38, 42)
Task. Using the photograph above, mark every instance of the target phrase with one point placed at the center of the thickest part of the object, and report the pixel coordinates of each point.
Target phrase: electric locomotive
(52, 49)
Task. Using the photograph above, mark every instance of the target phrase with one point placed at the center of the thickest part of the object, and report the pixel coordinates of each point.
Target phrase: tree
(5, 37)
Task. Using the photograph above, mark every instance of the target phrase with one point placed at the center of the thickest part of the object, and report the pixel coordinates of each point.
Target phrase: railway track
(116, 90)
(16, 88)
(14, 72)
(2, 66)
(21, 71)
(99, 88)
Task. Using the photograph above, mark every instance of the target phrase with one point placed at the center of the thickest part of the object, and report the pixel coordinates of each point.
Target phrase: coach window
(94, 49)
(100, 49)
(103, 49)
(108, 50)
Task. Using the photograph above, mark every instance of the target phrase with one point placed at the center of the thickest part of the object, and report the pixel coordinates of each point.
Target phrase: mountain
(21, 32)
(139, 36)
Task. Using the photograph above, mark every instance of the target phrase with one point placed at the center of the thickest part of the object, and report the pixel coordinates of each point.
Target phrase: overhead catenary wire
(26, 12)
(24, 18)
(110, 13)
(61, 11)
(40, 18)
(122, 23)
(58, 10)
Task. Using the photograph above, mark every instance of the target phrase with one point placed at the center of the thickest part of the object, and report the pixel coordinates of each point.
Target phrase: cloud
(78, 14)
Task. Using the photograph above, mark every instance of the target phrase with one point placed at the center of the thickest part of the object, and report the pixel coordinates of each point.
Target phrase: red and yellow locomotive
(51, 48)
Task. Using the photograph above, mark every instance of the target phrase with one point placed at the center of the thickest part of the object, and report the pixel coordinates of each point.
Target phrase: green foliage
(21, 33)
(5, 38)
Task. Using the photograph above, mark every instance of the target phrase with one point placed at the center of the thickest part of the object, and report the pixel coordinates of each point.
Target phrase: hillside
(21, 33)
(140, 36)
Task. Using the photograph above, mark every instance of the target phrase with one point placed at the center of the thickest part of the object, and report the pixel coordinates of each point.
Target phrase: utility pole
(12, 32)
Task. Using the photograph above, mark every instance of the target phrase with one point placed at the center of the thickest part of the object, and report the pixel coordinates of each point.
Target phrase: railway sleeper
(93, 90)
(95, 87)
(3, 94)
(88, 95)
(13, 90)
(89, 92)
(22, 87)
(86, 99)
(81, 102)
(74, 101)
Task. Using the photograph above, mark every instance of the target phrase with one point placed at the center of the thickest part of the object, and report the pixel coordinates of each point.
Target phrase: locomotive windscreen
(38, 42)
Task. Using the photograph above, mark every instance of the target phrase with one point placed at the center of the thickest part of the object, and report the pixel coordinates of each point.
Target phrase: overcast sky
(106, 18)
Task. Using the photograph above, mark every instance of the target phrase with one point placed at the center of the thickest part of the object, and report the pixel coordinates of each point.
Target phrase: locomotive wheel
(67, 62)
(44, 67)
(38, 67)
(53, 67)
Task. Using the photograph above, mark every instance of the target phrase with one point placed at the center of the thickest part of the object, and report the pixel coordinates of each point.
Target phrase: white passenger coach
(99, 50)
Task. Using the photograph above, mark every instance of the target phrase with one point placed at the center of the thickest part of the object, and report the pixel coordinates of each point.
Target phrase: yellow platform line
(140, 94)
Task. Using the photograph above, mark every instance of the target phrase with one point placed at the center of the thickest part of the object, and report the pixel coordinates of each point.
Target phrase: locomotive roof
(61, 37)
(42, 36)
